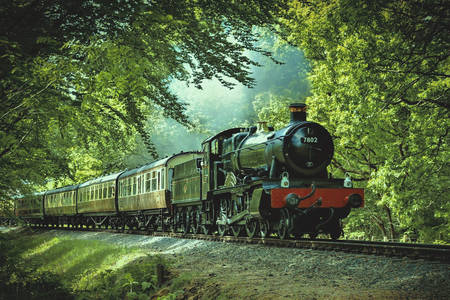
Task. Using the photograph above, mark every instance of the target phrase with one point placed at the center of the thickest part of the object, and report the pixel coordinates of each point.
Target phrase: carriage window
(159, 180)
(162, 179)
(129, 186)
(147, 182)
(113, 189)
(105, 190)
(139, 184)
(154, 181)
(134, 185)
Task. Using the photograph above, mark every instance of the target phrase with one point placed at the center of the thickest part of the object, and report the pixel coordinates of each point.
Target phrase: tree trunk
(391, 224)
(380, 225)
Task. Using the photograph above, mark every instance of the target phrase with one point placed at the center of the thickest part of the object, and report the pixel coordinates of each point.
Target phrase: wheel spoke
(264, 228)
(206, 229)
(284, 224)
(236, 229)
(251, 227)
(222, 229)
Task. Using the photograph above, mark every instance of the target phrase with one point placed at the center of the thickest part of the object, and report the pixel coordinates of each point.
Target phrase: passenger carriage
(60, 206)
(30, 208)
(97, 201)
(144, 193)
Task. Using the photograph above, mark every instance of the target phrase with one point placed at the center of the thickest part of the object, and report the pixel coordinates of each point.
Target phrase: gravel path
(239, 271)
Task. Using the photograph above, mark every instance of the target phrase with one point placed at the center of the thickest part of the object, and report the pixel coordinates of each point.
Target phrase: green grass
(41, 266)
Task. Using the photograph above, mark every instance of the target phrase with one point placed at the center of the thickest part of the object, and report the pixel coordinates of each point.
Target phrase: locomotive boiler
(302, 148)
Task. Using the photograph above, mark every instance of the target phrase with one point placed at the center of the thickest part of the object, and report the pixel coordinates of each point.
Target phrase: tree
(380, 78)
(79, 79)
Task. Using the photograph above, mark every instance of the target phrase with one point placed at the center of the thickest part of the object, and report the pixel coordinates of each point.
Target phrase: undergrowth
(41, 266)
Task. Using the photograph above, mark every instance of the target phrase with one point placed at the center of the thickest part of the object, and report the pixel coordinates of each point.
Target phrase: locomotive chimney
(298, 112)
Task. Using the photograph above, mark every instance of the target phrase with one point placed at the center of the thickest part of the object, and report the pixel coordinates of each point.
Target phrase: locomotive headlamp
(292, 200)
(355, 200)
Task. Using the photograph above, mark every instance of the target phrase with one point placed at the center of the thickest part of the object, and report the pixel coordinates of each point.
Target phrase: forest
(92, 87)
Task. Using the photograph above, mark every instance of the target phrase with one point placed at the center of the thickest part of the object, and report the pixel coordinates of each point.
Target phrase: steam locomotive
(246, 181)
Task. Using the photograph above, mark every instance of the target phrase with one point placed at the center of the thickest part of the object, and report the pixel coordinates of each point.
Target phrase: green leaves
(78, 81)
(376, 69)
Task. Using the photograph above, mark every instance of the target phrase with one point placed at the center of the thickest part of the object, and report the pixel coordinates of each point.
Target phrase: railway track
(414, 251)
(390, 249)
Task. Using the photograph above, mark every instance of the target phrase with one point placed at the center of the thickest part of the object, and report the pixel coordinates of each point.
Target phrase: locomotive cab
(213, 163)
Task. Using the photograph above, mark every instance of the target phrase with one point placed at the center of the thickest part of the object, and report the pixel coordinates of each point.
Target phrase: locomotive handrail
(313, 187)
